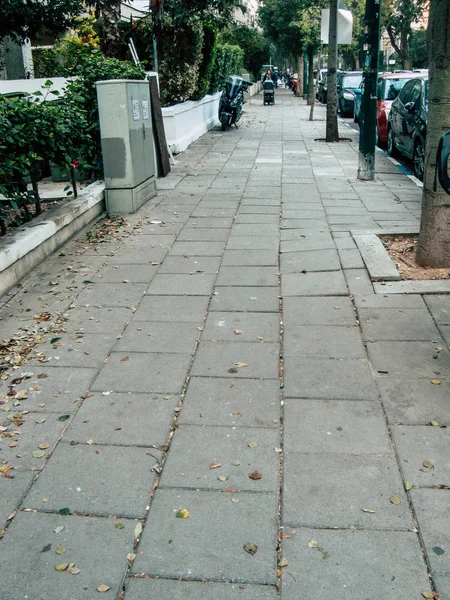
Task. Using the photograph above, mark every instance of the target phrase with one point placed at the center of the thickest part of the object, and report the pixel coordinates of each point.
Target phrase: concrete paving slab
(377, 260)
(245, 299)
(328, 379)
(123, 419)
(358, 281)
(119, 274)
(172, 308)
(398, 324)
(252, 209)
(332, 310)
(335, 426)
(86, 478)
(323, 341)
(190, 265)
(166, 589)
(441, 286)
(60, 388)
(410, 359)
(197, 284)
(432, 507)
(209, 544)
(214, 221)
(220, 359)
(142, 372)
(157, 336)
(98, 320)
(95, 545)
(259, 229)
(415, 401)
(439, 306)
(12, 492)
(196, 447)
(377, 564)
(331, 490)
(442, 584)
(136, 255)
(250, 327)
(243, 402)
(420, 443)
(78, 349)
(244, 242)
(111, 294)
(202, 234)
(250, 258)
(330, 283)
(351, 259)
(197, 249)
(388, 301)
(305, 224)
(309, 260)
(248, 276)
(255, 218)
(36, 429)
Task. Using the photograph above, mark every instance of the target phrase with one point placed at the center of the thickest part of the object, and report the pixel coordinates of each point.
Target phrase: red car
(389, 87)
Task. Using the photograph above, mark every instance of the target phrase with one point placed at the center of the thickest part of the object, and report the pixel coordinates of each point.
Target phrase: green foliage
(397, 18)
(418, 49)
(228, 60)
(280, 21)
(353, 53)
(22, 20)
(255, 46)
(207, 63)
(33, 129)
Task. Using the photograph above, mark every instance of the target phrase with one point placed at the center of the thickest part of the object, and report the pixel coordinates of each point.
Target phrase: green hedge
(228, 60)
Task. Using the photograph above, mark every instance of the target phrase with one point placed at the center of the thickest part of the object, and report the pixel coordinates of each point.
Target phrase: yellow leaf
(103, 588)
(435, 382)
(368, 510)
(428, 595)
(241, 365)
(215, 465)
(61, 566)
(60, 550)
(408, 485)
(183, 513)
(238, 331)
(312, 544)
(131, 556)
(90, 442)
(428, 464)
(283, 562)
(395, 500)
(252, 444)
(44, 446)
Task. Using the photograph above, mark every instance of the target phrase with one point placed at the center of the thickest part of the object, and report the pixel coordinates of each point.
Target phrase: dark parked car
(322, 89)
(347, 83)
(407, 124)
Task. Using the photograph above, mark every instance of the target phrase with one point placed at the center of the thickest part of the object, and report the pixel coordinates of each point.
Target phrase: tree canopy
(397, 18)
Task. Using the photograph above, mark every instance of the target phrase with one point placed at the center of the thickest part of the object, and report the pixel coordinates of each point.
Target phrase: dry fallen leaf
(90, 442)
(283, 562)
(408, 485)
(395, 500)
(368, 510)
(251, 548)
(255, 475)
(103, 588)
(131, 556)
(60, 550)
(183, 513)
(435, 382)
(241, 365)
(62, 566)
(252, 444)
(138, 530)
(215, 465)
(313, 544)
(428, 464)
(222, 478)
(74, 570)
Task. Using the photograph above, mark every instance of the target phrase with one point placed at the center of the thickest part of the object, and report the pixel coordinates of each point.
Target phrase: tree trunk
(356, 58)
(319, 64)
(434, 239)
(300, 76)
(406, 63)
(332, 131)
(311, 90)
(111, 41)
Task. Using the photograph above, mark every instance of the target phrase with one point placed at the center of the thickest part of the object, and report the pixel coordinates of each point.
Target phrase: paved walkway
(224, 352)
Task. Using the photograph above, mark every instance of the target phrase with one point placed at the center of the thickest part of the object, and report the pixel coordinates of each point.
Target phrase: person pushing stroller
(268, 88)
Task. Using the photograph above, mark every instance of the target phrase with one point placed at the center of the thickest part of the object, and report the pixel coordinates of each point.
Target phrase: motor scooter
(232, 100)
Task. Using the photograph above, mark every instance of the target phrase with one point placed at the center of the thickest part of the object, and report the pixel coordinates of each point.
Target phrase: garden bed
(402, 250)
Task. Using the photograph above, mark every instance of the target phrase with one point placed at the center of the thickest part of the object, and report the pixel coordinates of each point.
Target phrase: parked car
(407, 123)
(388, 88)
(318, 78)
(347, 83)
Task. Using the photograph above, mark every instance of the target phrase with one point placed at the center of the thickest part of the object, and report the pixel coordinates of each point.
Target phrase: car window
(392, 88)
(425, 93)
(352, 81)
(416, 93)
(406, 92)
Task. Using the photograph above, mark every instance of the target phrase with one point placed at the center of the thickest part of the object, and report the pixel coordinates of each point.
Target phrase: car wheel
(343, 111)
(224, 126)
(419, 160)
(391, 148)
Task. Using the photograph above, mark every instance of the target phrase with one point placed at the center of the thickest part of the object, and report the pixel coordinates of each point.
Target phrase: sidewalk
(148, 372)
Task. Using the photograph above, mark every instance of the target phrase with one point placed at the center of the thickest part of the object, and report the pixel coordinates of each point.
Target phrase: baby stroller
(269, 92)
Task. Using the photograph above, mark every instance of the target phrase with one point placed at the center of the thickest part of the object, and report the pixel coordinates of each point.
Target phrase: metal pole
(368, 120)
(305, 76)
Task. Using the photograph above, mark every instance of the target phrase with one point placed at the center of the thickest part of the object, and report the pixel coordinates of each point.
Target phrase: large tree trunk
(406, 63)
(300, 76)
(332, 131)
(434, 239)
(111, 41)
(311, 90)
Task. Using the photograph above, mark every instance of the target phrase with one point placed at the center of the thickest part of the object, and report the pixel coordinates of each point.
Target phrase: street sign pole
(368, 118)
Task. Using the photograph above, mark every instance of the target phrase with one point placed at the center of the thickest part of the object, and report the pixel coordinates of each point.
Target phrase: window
(392, 88)
(406, 92)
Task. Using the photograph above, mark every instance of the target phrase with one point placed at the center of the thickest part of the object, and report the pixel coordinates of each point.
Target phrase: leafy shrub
(228, 60)
(207, 63)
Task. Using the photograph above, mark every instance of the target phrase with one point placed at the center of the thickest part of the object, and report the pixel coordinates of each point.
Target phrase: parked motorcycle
(232, 100)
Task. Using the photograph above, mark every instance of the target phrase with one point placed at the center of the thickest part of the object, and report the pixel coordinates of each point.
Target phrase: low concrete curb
(22, 250)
